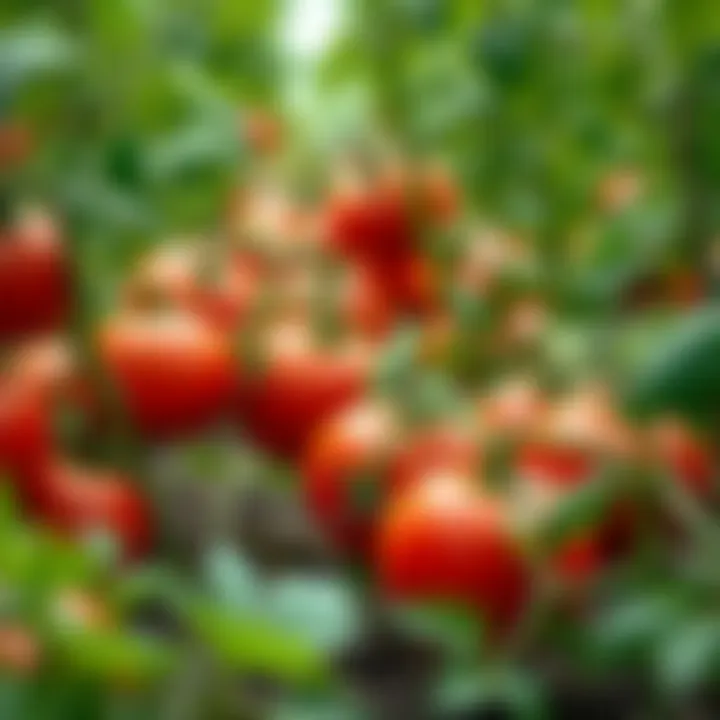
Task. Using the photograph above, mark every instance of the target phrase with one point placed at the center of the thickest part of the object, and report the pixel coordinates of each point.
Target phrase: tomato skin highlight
(34, 279)
(345, 471)
(77, 500)
(298, 385)
(445, 541)
(173, 373)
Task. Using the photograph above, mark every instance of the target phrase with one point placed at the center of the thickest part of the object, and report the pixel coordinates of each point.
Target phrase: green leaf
(458, 632)
(113, 654)
(580, 509)
(470, 691)
(249, 642)
(322, 609)
(688, 656)
(680, 372)
(28, 52)
(232, 580)
(628, 631)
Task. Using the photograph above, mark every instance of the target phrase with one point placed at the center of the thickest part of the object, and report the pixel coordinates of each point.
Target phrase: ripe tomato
(377, 218)
(77, 500)
(357, 300)
(686, 455)
(25, 433)
(173, 276)
(46, 364)
(368, 221)
(173, 372)
(297, 384)
(346, 469)
(34, 278)
(410, 281)
(576, 434)
(442, 447)
(513, 408)
(443, 540)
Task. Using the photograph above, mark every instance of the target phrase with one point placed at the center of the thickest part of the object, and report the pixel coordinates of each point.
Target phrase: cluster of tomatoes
(276, 328)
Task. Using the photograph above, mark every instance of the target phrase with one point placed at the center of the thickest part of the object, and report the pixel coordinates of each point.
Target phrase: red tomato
(34, 279)
(369, 222)
(174, 276)
(173, 372)
(49, 366)
(77, 501)
(354, 295)
(25, 433)
(346, 470)
(688, 457)
(410, 281)
(574, 436)
(299, 383)
(515, 408)
(445, 447)
(444, 540)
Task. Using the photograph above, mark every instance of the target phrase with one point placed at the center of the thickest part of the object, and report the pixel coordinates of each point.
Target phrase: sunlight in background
(307, 30)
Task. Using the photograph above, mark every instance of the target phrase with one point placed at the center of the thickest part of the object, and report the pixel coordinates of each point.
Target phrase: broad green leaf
(458, 632)
(323, 610)
(680, 372)
(688, 656)
(252, 643)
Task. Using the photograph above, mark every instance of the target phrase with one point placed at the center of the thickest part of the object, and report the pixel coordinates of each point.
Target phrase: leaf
(231, 579)
(580, 509)
(680, 372)
(324, 610)
(506, 692)
(629, 630)
(255, 644)
(113, 654)
(688, 656)
(456, 631)
(28, 52)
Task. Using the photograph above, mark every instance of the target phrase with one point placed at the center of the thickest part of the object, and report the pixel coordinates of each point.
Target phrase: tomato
(515, 407)
(369, 222)
(444, 540)
(346, 469)
(442, 447)
(34, 279)
(297, 384)
(78, 500)
(377, 218)
(25, 433)
(353, 296)
(174, 276)
(685, 453)
(411, 282)
(574, 437)
(172, 371)
(46, 364)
